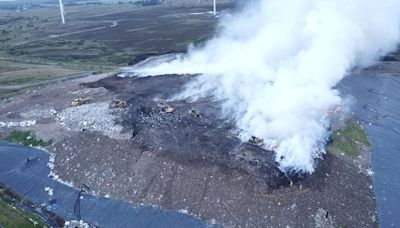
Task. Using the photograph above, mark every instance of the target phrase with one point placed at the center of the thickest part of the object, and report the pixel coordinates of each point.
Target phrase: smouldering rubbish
(276, 71)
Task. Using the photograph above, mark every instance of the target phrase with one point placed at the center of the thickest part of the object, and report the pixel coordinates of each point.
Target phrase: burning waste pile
(274, 66)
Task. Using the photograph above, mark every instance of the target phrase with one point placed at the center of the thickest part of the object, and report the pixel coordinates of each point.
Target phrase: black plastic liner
(25, 171)
(377, 106)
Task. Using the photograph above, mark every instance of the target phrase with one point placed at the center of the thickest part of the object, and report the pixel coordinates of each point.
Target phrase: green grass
(15, 73)
(5, 69)
(26, 138)
(9, 93)
(348, 139)
(11, 217)
(32, 74)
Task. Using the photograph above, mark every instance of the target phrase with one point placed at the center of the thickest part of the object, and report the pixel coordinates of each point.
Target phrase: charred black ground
(193, 131)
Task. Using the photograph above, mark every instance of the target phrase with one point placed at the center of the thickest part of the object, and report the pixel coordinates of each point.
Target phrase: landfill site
(102, 148)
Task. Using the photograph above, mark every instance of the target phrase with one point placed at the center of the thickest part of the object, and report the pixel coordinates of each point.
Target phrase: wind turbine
(214, 7)
(214, 12)
(62, 11)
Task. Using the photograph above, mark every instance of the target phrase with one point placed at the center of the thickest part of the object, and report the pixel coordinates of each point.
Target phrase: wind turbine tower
(62, 11)
(214, 7)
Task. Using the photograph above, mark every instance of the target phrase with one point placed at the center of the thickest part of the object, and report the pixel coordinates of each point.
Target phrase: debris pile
(24, 123)
(39, 113)
(52, 173)
(49, 191)
(91, 117)
(191, 129)
(77, 224)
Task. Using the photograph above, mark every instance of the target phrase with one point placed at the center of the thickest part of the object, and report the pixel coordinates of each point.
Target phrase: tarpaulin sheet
(25, 171)
(376, 104)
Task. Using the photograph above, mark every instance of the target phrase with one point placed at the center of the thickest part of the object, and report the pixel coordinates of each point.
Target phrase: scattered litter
(213, 221)
(194, 113)
(76, 224)
(52, 205)
(33, 222)
(24, 123)
(49, 191)
(52, 174)
(118, 104)
(92, 117)
(50, 164)
(81, 101)
(322, 219)
(39, 113)
(183, 211)
(84, 188)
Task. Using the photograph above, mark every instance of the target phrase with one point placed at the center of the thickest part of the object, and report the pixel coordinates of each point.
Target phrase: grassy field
(26, 138)
(348, 139)
(12, 217)
(41, 59)
(12, 73)
(7, 93)
(35, 46)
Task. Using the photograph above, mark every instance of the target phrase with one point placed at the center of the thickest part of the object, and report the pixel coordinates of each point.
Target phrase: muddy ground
(178, 161)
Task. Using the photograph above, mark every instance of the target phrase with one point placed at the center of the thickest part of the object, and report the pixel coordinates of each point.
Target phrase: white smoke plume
(274, 66)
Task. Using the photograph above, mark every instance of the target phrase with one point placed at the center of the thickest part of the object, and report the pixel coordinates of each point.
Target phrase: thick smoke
(274, 66)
